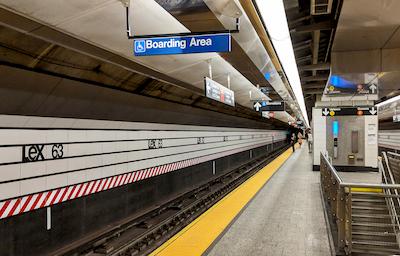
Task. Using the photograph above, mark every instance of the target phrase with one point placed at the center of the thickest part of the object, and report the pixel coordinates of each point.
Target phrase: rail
(392, 202)
(140, 235)
(338, 200)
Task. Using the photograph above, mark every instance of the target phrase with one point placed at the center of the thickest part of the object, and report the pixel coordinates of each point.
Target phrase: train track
(143, 234)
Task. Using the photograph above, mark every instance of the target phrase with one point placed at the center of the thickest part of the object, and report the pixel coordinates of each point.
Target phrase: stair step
(391, 239)
(384, 244)
(371, 233)
(383, 236)
(364, 194)
(369, 200)
(370, 206)
(372, 216)
(373, 219)
(372, 224)
(372, 252)
(377, 209)
(367, 195)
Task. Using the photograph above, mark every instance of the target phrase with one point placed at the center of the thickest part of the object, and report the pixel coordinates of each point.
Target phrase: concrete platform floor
(285, 218)
(363, 177)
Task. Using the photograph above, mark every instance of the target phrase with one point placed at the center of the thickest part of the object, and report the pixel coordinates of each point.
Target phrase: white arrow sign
(325, 112)
(373, 111)
(373, 88)
(257, 106)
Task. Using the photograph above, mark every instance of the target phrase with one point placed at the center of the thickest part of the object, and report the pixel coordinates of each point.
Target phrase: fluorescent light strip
(274, 17)
(383, 103)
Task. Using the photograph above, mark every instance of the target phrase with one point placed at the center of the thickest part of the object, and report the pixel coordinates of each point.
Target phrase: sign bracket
(131, 36)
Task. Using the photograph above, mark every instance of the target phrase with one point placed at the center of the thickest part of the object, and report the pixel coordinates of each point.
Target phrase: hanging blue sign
(182, 44)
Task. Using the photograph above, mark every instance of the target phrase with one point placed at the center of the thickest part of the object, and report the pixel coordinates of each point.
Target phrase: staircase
(372, 229)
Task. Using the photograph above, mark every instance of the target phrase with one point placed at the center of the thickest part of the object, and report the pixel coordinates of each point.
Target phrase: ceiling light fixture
(383, 103)
(274, 17)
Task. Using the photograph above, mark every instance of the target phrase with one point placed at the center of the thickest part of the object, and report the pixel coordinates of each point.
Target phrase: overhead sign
(269, 106)
(219, 92)
(182, 44)
(360, 89)
(357, 111)
(265, 90)
(340, 85)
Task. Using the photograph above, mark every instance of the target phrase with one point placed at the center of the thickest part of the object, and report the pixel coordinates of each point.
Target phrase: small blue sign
(267, 75)
(182, 44)
(140, 46)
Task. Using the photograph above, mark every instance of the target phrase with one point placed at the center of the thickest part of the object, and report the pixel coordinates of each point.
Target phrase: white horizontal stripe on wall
(389, 139)
(90, 153)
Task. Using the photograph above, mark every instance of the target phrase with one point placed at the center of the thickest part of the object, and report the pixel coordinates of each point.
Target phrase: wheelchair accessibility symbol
(140, 46)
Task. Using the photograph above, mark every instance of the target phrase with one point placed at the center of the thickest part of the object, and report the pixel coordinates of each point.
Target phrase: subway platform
(285, 217)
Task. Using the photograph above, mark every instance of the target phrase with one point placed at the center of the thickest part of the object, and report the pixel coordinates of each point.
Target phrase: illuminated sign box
(182, 44)
(218, 92)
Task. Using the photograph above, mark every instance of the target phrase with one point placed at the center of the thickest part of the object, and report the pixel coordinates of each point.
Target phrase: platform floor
(363, 177)
(199, 235)
(285, 218)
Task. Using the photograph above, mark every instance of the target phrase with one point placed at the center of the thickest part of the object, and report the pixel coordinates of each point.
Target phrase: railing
(394, 200)
(338, 200)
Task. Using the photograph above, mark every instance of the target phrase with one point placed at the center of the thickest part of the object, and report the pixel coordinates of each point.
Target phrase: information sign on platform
(219, 92)
(182, 44)
(269, 106)
(356, 111)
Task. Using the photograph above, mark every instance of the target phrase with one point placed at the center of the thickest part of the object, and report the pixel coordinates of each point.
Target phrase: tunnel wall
(40, 167)
(26, 234)
(91, 155)
(389, 140)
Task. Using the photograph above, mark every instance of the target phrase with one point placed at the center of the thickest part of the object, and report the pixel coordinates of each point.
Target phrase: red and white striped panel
(32, 202)
(43, 199)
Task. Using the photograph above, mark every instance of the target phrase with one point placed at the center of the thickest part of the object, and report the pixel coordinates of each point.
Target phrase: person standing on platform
(300, 138)
(310, 141)
(293, 140)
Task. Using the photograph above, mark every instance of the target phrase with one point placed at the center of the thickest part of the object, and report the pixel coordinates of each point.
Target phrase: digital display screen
(335, 128)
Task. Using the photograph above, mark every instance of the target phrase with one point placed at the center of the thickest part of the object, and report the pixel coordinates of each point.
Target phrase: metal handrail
(393, 153)
(335, 173)
(337, 194)
(390, 201)
(358, 185)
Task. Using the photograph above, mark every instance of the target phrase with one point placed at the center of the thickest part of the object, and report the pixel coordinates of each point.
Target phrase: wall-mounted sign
(219, 92)
(182, 44)
(269, 106)
(358, 111)
(265, 114)
(396, 118)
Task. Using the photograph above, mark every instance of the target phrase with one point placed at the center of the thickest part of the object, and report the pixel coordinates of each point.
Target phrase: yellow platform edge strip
(195, 238)
(371, 190)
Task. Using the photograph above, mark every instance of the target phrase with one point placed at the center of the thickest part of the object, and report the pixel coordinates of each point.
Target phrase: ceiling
(312, 37)
(367, 40)
(366, 25)
(101, 23)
